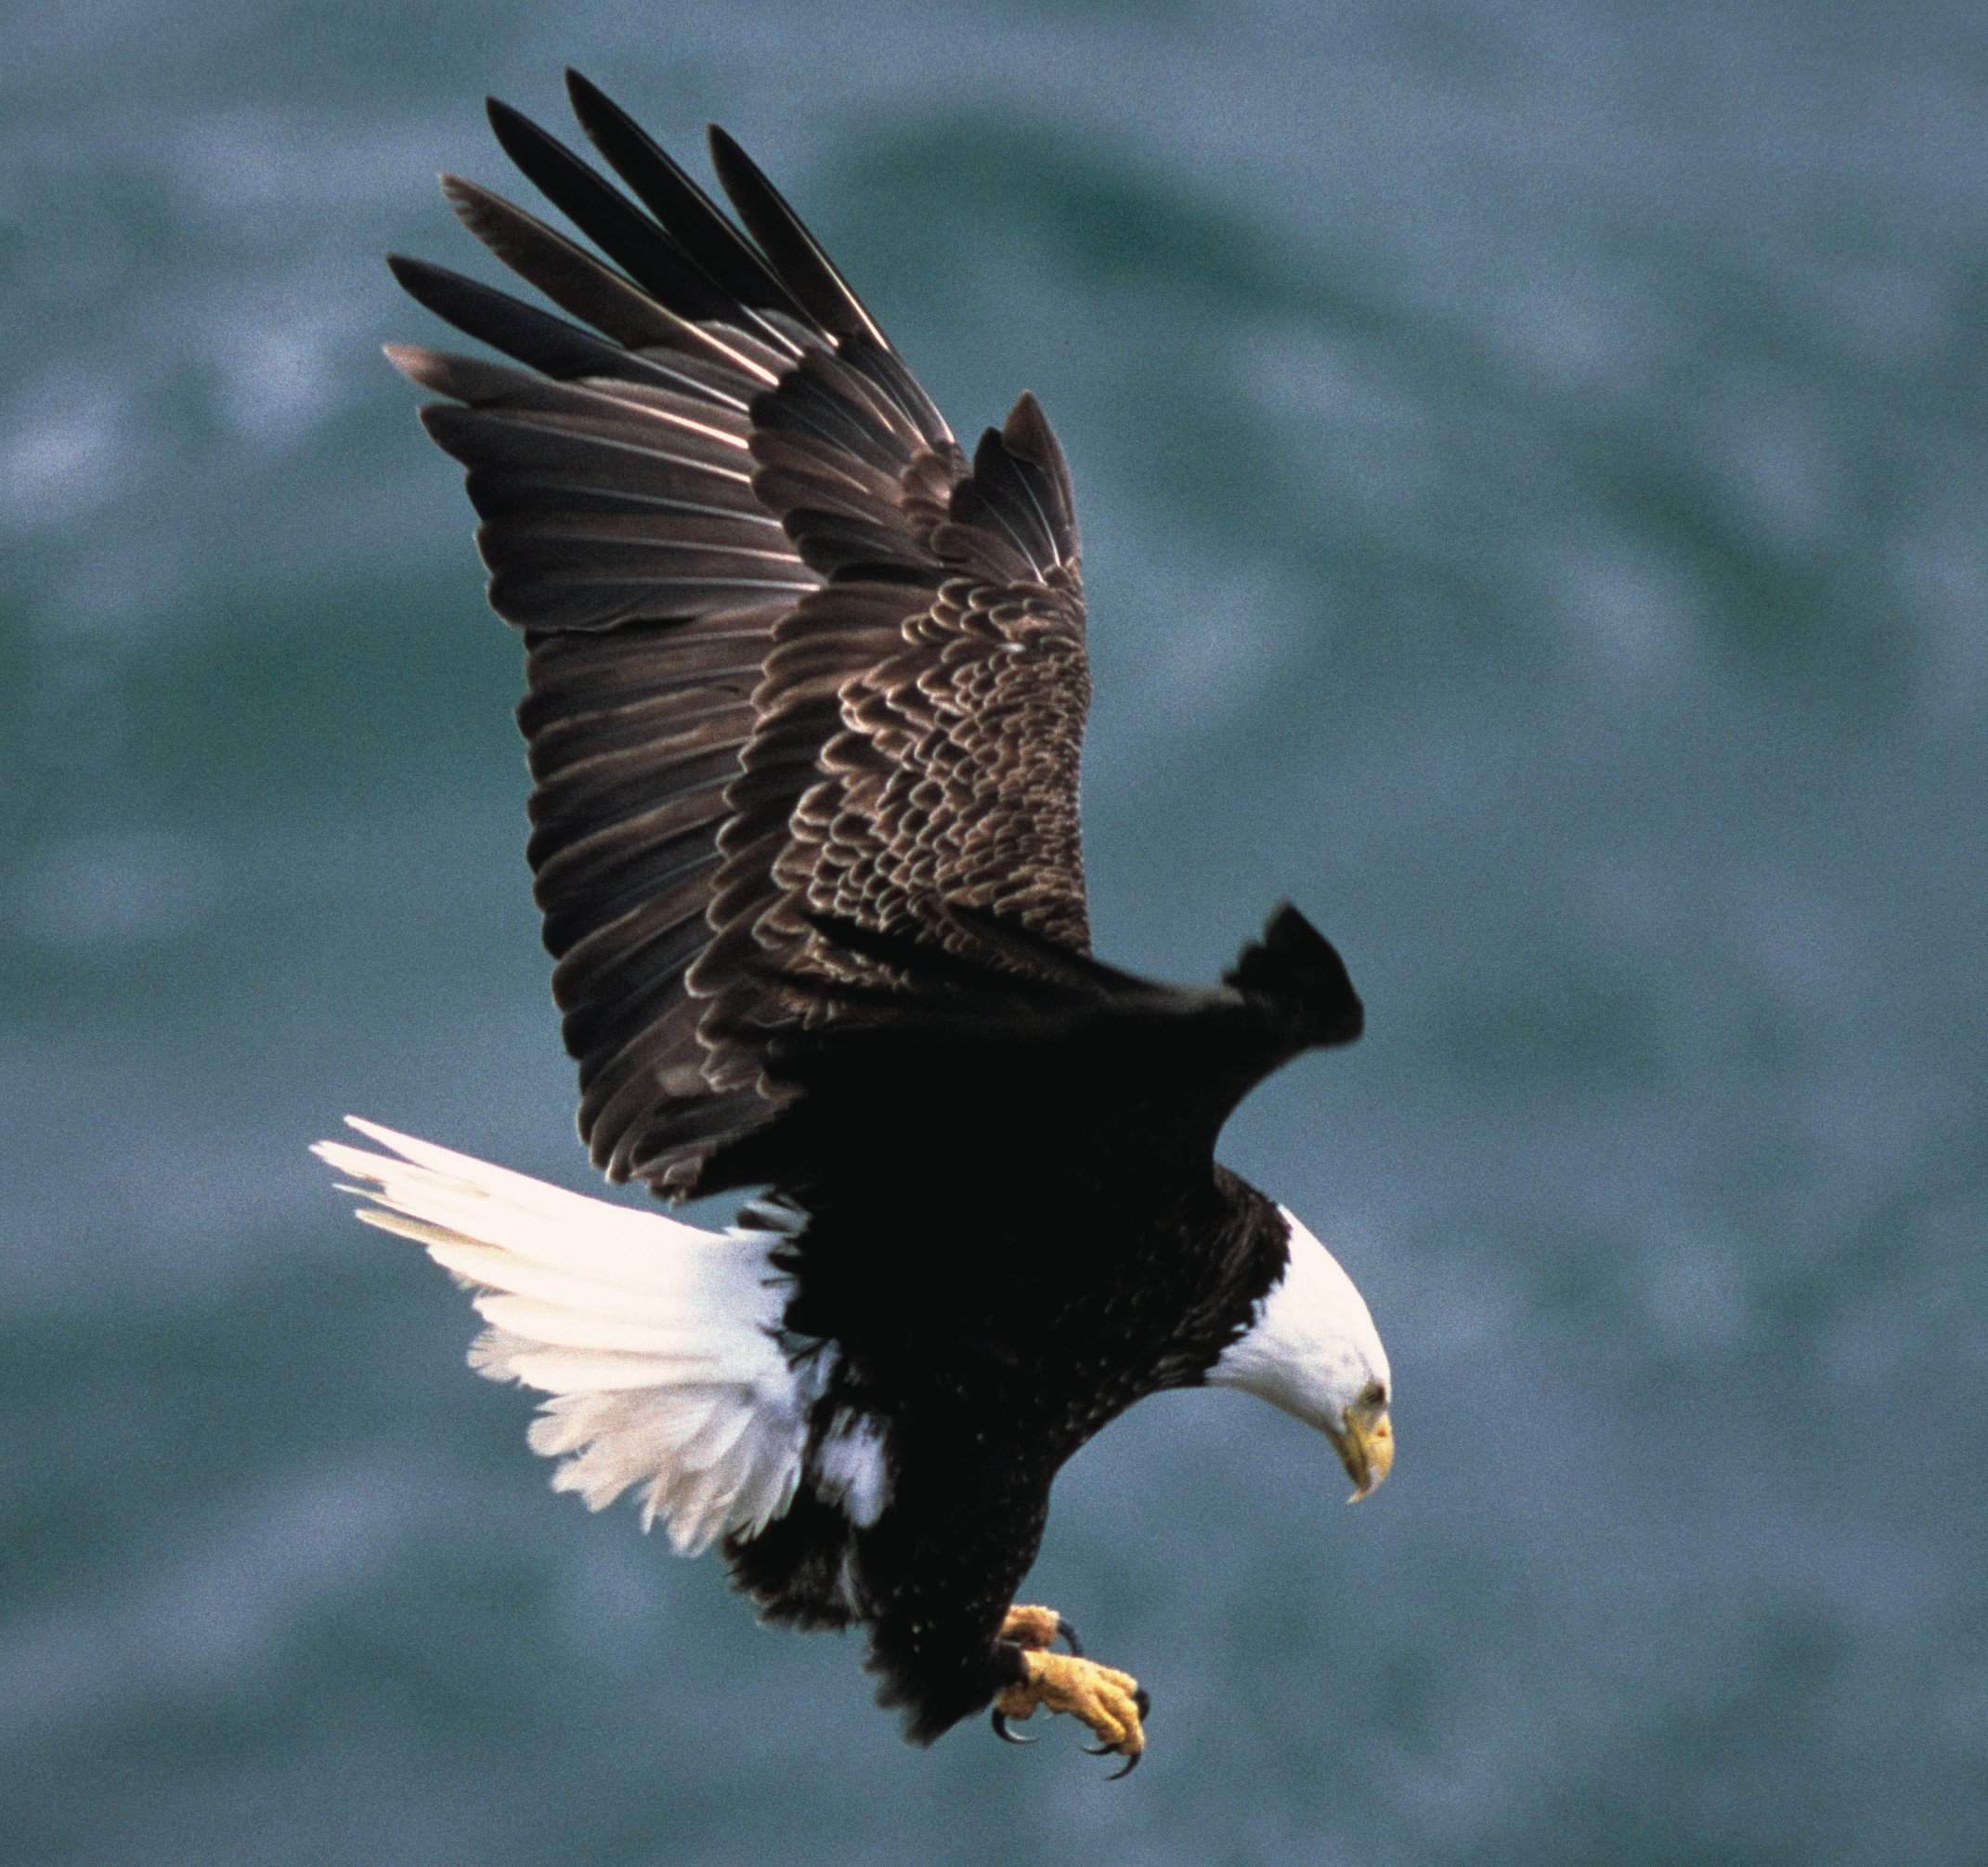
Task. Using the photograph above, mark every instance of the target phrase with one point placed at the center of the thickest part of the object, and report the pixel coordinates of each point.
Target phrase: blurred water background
(1531, 459)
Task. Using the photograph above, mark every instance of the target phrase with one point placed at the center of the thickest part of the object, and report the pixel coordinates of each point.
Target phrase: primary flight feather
(805, 694)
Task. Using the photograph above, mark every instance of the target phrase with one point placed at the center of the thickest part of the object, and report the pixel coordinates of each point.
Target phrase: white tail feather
(657, 1345)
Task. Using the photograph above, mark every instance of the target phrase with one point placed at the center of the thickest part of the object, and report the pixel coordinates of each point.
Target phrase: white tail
(657, 1344)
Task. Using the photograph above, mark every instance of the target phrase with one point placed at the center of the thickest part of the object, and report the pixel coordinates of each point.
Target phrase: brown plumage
(791, 653)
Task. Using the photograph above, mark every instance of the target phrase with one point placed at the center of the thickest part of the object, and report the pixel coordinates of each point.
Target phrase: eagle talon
(1037, 1628)
(1131, 1763)
(1110, 1702)
(1034, 1629)
(998, 1718)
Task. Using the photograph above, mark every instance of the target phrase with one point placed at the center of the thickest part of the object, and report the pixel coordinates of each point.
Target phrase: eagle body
(806, 690)
(967, 1384)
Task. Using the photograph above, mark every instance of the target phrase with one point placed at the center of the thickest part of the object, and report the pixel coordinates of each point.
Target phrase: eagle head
(1310, 1347)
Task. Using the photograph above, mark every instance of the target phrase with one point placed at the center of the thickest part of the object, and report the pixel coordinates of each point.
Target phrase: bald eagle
(806, 688)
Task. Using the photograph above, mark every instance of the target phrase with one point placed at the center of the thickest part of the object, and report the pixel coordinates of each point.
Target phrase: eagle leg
(1034, 1629)
(1111, 1702)
(1038, 1629)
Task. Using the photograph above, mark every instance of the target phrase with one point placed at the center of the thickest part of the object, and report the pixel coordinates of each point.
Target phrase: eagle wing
(795, 662)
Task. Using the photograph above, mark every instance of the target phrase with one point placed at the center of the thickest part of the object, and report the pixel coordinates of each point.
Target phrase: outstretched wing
(1034, 1044)
(794, 660)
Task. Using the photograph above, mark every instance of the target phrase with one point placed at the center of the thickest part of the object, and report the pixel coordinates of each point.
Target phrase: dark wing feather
(1031, 1040)
(729, 260)
(794, 662)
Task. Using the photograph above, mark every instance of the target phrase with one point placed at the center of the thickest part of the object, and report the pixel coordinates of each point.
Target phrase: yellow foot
(1111, 1702)
(1038, 1629)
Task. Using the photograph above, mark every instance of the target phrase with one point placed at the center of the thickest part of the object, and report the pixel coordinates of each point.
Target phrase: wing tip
(428, 284)
(520, 137)
(1027, 432)
(1026, 409)
(1292, 965)
(591, 107)
(415, 361)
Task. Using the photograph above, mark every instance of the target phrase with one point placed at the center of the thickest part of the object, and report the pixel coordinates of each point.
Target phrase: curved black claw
(1131, 1763)
(999, 1720)
(1143, 1699)
(1068, 1635)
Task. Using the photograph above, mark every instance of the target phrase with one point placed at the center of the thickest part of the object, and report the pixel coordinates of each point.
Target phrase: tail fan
(657, 1346)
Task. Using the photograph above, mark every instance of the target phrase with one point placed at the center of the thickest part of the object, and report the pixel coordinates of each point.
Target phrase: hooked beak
(1365, 1449)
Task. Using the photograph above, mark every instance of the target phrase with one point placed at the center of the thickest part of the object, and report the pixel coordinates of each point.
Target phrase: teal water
(1535, 483)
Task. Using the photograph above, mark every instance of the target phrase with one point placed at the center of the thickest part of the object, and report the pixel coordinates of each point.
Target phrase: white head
(1312, 1349)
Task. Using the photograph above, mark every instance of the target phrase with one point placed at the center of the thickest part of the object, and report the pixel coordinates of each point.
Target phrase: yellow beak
(1366, 1450)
